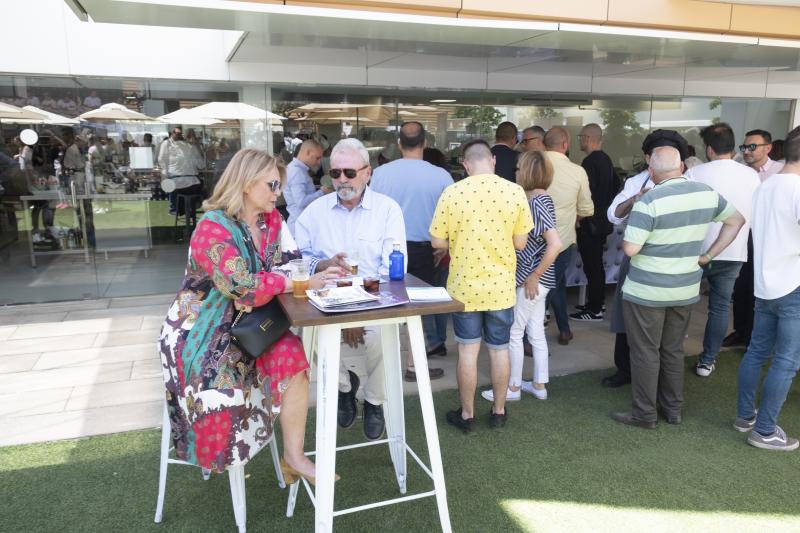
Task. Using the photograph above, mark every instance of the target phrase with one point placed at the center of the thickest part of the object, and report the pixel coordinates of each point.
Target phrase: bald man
(573, 200)
(594, 230)
(300, 190)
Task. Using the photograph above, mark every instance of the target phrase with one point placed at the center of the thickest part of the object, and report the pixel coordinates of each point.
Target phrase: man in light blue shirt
(416, 185)
(354, 221)
(300, 190)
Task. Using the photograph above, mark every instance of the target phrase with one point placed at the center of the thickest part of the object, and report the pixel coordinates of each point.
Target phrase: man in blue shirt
(300, 190)
(416, 185)
(360, 221)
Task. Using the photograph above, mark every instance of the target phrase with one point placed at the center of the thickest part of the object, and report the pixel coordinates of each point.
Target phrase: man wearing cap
(300, 190)
(619, 210)
(664, 240)
(416, 185)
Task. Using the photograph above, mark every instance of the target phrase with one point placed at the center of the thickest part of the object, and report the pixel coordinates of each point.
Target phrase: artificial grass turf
(559, 465)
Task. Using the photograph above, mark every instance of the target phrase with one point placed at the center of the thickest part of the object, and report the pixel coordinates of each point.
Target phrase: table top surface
(301, 313)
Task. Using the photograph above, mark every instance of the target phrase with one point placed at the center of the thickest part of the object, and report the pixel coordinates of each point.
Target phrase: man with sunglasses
(416, 186)
(360, 220)
(755, 152)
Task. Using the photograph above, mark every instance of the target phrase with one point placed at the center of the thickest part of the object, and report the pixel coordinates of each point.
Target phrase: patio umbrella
(52, 118)
(188, 116)
(114, 112)
(233, 111)
(18, 115)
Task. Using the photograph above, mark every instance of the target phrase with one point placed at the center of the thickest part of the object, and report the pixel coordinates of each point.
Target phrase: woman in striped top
(535, 277)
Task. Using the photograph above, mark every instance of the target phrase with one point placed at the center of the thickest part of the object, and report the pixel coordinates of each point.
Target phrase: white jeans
(374, 390)
(529, 316)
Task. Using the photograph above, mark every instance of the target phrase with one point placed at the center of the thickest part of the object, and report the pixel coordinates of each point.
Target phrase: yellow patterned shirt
(479, 216)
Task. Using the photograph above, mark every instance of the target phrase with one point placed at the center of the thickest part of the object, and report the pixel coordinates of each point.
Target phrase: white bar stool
(235, 475)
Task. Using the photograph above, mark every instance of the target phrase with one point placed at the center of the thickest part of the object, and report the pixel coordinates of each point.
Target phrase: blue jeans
(435, 326)
(493, 326)
(721, 276)
(558, 296)
(776, 328)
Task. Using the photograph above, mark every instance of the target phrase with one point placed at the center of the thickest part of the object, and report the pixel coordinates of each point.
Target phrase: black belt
(418, 243)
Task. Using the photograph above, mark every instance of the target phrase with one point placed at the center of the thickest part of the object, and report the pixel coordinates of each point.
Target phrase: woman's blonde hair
(243, 170)
(534, 171)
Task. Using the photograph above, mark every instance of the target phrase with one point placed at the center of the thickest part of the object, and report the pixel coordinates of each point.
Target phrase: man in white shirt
(361, 221)
(180, 162)
(92, 100)
(300, 190)
(776, 330)
(736, 183)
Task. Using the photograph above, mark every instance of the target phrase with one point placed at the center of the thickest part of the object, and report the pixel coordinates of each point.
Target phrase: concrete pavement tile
(133, 301)
(148, 369)
(32, 317)
(74, 424)
(6, 331)
(35, 402)
(39, 345)
(124, 338)
(154, 322)
(52, 307)
(98, 325)
(94, 356)
(124, 393)
(159, 311)
(17, 363)
(64, 377)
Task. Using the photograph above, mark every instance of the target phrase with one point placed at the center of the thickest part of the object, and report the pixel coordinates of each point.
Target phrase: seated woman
(222, 404)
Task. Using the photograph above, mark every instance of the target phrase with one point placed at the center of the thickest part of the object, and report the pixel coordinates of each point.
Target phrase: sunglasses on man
(349, 173)
(751, 147)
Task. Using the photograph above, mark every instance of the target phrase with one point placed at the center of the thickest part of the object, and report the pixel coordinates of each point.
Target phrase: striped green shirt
(670, 223)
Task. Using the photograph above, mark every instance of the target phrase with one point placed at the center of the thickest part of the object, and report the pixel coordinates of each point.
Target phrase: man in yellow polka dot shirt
(482, 220)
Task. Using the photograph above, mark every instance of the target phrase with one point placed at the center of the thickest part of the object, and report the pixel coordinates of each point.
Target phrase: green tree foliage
(484, 118)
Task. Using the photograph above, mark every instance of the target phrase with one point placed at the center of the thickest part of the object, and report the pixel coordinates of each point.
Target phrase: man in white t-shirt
(736, 183)
(776, 328)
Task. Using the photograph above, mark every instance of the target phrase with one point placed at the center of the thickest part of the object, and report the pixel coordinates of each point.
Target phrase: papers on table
(338, 296)
(428, 294)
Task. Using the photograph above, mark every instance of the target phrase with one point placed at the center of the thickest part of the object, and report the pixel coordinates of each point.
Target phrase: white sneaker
(527, 386)
(511, 396)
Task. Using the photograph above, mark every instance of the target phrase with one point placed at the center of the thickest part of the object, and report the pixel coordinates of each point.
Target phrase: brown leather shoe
(433, 373)
(627, 419)
(564, 338)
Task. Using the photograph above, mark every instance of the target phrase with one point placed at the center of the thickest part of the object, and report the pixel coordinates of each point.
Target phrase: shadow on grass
(562, 456)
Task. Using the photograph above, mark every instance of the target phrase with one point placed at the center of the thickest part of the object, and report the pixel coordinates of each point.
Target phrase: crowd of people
(499, 240)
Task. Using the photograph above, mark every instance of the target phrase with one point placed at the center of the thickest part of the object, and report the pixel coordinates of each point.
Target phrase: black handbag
(259, 329)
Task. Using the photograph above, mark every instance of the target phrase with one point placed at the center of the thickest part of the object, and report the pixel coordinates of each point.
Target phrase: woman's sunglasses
(350, 173)
(274, 186)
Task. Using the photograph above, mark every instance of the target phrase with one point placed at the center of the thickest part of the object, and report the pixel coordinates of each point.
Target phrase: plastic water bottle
(396, 264)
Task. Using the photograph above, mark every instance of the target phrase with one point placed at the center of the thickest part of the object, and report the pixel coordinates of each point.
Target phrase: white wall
(56, 42)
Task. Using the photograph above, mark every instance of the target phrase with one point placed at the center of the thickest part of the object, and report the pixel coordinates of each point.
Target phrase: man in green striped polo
(664, 239)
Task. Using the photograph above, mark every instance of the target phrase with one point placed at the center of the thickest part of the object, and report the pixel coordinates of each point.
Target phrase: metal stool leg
(162, 473)
(395, 419)
(236, 478)
(276, 462)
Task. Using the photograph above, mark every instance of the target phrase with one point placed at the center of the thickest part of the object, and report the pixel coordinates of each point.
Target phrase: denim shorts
(493, 326)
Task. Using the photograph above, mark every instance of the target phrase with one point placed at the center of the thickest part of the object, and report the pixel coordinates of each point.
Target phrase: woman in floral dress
(222, 404)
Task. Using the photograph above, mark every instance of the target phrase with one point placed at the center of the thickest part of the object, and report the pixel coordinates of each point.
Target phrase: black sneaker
(454, 419)
(374, 423)
(346, 414)
(587, 316)
(439, 350)
(735, 340)
(586, 308)
(495, 420)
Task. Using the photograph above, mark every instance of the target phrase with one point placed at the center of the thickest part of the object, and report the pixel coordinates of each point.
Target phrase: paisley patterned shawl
(213, 308)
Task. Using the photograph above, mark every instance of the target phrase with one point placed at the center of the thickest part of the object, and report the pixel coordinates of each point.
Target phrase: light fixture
(442, 101)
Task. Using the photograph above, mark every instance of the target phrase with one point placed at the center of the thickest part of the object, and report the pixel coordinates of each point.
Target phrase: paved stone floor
(85, 368)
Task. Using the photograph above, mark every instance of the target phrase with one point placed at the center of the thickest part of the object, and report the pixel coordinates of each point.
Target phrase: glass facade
(62, 238)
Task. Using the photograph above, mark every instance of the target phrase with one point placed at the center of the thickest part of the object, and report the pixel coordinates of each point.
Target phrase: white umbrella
(188, 116)
(233, 111)
(52, 118)
(18, 115)
(115, 112)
